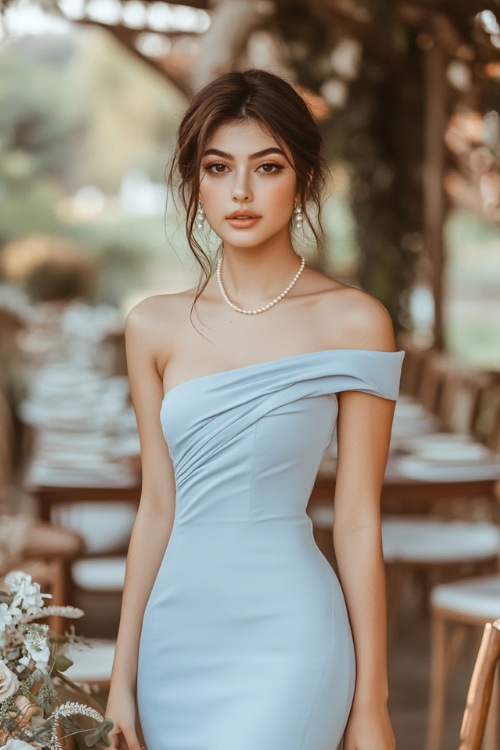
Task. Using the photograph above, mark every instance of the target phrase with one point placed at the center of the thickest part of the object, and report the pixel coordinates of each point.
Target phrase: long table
(400, 493)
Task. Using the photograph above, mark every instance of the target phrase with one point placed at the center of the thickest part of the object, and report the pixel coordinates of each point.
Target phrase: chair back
(460, 398)
(432, 378)
(493, 436)
(412, 368)
(480, 689)
(487, 426)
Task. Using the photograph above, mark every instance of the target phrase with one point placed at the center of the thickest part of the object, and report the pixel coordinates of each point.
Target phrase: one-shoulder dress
(246, 643)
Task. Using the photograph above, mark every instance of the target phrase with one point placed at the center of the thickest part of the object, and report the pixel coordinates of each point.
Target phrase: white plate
(441, 472)
(409, 409)
(413, 428)
(427, 442)
(118, 476)
(455, 452)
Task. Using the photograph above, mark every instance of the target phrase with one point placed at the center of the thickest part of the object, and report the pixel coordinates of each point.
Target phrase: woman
(234, 628)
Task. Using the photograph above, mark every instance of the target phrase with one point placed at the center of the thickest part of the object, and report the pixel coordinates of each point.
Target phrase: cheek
(281, 195)
(211, 192)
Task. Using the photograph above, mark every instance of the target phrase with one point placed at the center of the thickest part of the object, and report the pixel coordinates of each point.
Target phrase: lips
(243, 215)
(242, 219)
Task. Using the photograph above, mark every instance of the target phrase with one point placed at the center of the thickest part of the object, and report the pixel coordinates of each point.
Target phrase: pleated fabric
(246, 642)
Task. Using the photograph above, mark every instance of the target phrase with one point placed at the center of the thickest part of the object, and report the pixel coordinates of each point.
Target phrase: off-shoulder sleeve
(374, 372)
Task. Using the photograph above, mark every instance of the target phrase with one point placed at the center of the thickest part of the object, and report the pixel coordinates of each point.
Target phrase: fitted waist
(230, 505)
(204, 549)
(284, 522)
(226, 539)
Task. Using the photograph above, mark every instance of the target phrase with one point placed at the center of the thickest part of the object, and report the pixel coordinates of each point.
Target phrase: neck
(255, 275)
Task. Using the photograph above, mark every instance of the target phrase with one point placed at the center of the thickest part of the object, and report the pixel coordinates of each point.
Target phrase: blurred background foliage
(88, 118)
(76, 115)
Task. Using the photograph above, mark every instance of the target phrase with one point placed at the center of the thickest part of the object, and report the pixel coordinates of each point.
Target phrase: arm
(364, 428)
(153, 523)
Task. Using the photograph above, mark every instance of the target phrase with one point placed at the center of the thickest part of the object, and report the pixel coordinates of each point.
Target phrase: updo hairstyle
(242, 96)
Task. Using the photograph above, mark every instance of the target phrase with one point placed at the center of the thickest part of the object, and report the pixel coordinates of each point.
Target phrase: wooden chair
(58, 547)
(102, 575)
(492, 429)
(92, 665)
(462, 391)
(457, 609)
(448, 548)
(434, 550)
(433, 371)
(412, 368)
(106, 528)
(481, 689)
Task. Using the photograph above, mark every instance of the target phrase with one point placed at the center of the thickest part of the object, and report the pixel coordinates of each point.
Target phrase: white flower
(9, 615)
(17, 578)
(38, 648)
(26, 593)
(17, 745)
(8, 682)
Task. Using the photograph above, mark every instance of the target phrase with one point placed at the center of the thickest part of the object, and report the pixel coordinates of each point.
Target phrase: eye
(216, 168)
(269, 167)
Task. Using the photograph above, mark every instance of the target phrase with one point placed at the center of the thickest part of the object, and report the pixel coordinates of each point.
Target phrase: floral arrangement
(34, 708)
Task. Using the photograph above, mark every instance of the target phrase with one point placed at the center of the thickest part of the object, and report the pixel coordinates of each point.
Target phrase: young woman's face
(247, 185)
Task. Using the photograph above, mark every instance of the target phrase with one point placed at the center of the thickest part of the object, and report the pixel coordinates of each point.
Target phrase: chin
(246, 238)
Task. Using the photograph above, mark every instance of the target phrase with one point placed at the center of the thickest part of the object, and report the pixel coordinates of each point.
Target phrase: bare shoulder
(357, 319)
(154, 323)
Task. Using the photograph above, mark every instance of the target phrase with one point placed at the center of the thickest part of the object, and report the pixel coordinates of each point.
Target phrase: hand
(369, 728)
(121, 710)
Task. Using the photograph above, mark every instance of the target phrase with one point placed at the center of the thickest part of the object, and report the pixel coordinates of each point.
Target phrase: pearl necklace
(269, 304)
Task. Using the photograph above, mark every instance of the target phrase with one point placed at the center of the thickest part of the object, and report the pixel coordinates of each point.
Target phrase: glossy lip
(246, 214)
(243, 223)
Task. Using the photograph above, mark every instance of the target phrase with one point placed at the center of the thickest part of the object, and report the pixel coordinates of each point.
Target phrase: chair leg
(395, 580)
(492, 731)
(456, 647)
(423, 586)
(439, 683)
(58, 595)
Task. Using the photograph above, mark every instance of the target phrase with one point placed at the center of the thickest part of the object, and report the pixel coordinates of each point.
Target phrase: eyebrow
(258, 155)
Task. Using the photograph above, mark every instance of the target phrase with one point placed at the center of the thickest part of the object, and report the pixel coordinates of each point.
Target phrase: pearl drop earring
(200, 216)
(298, 216)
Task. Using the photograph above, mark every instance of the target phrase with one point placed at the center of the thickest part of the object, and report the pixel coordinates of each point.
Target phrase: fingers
(125, 739)
(131, 738)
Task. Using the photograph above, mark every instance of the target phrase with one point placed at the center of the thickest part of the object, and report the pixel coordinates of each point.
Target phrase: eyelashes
(218, 168)
(273, 167)
(214, 168)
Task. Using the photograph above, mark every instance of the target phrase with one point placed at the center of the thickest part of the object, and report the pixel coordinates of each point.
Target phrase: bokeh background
(407, 95)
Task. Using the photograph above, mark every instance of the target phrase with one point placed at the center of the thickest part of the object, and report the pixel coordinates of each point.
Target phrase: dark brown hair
(273, 103)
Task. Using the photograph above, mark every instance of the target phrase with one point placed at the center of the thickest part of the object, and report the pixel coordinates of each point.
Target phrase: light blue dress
(246, 642)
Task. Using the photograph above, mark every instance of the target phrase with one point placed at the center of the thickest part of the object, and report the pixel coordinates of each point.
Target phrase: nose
(241, 189)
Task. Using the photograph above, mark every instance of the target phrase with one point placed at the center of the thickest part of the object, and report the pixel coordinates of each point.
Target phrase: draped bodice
(246, 443)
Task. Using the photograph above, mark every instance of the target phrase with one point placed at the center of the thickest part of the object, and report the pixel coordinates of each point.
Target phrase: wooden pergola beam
(374, 47)
(120, 34)
(435, 61)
